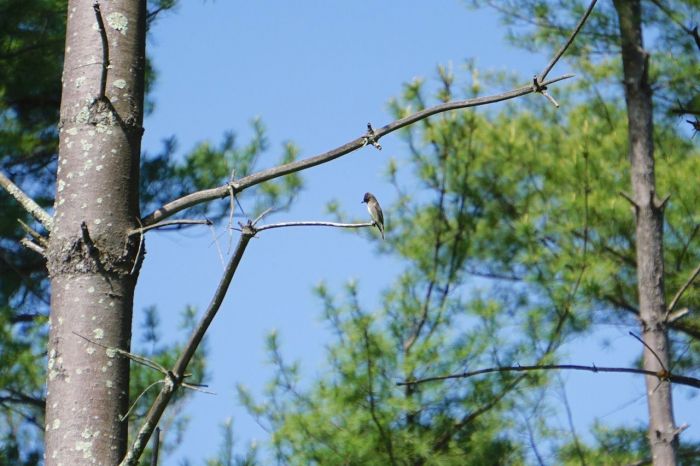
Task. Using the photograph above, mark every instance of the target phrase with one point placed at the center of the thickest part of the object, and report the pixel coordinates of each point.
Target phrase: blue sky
(316, 72)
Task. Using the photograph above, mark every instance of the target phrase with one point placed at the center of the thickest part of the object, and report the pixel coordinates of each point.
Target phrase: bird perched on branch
(375, 211)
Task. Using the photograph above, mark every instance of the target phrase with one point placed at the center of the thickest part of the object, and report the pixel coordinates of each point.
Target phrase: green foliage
(613, 446)
(515, 237)
(226, 456)
(674, 53)
(32, 36)
(609, 283)
(620, 445)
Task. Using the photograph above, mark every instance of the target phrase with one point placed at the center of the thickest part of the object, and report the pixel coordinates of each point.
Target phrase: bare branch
(134, 357)
(671, 15)
(155, 447)
(260, 217)
(29, 244)
(674, 316)
(43, 241)
(313, 224)
(137, 231)
(105, 51)
(681, 291)
(677, 379)
(386, 438)
(639, 339)
(175, 377)
(543, 75)
(125, 416)
(199, 197)
(27, 202)
(629, 199)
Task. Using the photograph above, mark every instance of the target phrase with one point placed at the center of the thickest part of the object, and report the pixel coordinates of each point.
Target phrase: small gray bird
(375, 211)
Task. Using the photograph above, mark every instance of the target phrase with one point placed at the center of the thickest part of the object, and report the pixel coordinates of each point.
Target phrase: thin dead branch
(677, 379)
(41, 240)
(681, 291)
(543, 75)
(169, 223)
(175, 376)
(29, 244)
(105, 51)
(237, 186)
(313, 224)
(27, 202)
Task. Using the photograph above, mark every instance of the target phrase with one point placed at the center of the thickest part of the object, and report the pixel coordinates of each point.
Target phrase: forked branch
(372, 136)
(237, 186)
(174, 378)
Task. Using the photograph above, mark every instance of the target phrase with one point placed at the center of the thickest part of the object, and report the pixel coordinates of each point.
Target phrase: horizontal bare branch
(169, 223)
(313, 224)
(27, 202)
(237, 186)
(663, 375)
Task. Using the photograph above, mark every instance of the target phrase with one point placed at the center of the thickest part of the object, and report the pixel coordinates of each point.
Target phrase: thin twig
(232, 209)
(168, 223)
(27, 202)
(156, 446)
(176, 376)
(133, 405)
(570, 420)
(386, 439)
(314, 224)
(105, 51)
(663, 366)
(199, 197)
(138, 254)
(681, 291)
(29, 244)
(543, 75)
(260, 217)
(674, 316)
(43, 241)
(628, 198)
(215, 240)
(677, 379)
(134, 357)
(668, 12)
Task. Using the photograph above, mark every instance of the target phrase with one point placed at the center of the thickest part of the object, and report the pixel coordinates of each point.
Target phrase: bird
(375, 211)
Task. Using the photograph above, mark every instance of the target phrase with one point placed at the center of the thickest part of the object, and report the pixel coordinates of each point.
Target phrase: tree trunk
(649, 234)
(90, 256)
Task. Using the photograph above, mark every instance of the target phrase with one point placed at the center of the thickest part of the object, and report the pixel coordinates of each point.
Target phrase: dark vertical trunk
(649, 234)
(90, 257)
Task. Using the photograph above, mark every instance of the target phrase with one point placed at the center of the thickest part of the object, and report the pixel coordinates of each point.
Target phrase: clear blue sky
(316, 72)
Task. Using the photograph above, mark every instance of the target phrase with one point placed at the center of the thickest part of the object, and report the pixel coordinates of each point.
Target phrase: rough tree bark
(90, 256)
(649, 232)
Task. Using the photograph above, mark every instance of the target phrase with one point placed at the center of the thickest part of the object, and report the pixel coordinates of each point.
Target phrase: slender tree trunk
(649, 234)
(90, 257)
